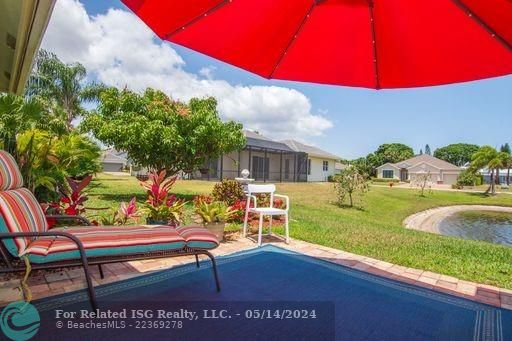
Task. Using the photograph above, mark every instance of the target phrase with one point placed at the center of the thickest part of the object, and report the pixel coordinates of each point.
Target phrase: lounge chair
(24, 231)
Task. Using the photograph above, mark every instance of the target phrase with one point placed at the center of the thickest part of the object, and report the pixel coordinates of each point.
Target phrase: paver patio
(43, 284)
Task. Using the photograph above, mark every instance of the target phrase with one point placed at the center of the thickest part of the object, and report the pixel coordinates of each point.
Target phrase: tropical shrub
(171, 211)
(77, 155)
(202, 197)
(46, 160)
(73, 196)
(125, 214)
(71, 201)
(161, 205)
(228, 191)
(468, 177)
(263, 200)
(38, 165)
(214, 212)
(238, 209)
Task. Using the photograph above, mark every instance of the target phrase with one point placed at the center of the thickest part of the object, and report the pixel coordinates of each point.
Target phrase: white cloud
(121, 51)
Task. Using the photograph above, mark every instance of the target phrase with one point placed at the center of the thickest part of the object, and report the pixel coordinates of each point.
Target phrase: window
(260, 167)
(388, 174)
(309, 166)
(325, 166)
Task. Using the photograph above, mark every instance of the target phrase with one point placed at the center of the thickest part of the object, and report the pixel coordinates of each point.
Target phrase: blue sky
(475, 112)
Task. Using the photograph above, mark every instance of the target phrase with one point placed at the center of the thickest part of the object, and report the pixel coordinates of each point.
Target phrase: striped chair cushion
(104, 241)
(10, 176)
(198, 237)
(20, 212)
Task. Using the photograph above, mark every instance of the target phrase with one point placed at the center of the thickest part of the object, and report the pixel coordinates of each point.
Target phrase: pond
(490, 226)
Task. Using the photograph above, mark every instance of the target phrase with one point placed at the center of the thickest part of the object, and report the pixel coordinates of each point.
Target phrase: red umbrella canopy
(363, 43)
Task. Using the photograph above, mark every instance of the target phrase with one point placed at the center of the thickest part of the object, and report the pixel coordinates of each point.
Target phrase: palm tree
(62, 84)
(508, 162)
(488, 157)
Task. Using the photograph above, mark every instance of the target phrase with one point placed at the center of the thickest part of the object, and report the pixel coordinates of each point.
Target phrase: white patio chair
(263, 211)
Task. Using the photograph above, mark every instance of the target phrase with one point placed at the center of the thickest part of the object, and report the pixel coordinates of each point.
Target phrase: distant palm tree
(488, 157)
(62, 84)
(508, 162)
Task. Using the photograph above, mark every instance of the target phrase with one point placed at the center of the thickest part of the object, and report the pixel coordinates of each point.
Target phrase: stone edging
(428, 220)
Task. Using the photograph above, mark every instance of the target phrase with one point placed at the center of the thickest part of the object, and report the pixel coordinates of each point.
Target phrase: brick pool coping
(43, 284)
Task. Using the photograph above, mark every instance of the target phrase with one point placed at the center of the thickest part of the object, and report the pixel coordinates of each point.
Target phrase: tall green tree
(64, 85)
(488, 157)
(458, 153)
(508, 162)
(394, 152)
(160, 133)
(367, 165)
(427, 150)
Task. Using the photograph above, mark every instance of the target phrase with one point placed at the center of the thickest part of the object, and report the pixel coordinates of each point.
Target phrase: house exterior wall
(316, 172)
(447, 177)
(450, 179)
(420, 169)
(434, 177)
(380, 171)
(112, 167)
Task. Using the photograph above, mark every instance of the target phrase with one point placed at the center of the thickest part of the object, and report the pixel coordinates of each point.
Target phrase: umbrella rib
(294, 36)
(482, 23)
(197, 18)
(374, 43)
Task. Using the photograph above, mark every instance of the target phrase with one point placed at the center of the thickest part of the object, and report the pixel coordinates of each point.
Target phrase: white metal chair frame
(263, 211)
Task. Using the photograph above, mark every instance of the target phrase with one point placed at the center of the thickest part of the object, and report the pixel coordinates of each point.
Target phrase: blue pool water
(348, 304)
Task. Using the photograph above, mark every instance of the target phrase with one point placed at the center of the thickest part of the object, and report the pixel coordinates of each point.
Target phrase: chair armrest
(70, 217)
(249, 197)
(287, 199)
(75, 239)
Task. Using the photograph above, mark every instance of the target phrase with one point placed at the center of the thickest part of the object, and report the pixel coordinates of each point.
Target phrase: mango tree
(159, 133)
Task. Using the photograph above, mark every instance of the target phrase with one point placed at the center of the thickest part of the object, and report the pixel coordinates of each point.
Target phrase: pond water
(490, 226)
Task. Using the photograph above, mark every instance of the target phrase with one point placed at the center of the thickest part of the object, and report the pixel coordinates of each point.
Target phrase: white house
(113, 160)
(320, 164)
(271, 160)
(441, 172)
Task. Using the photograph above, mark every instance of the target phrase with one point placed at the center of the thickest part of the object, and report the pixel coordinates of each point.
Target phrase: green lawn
(374, 231)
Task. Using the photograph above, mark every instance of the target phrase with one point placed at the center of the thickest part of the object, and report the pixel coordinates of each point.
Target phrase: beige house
(271, 160)
(441, 172)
